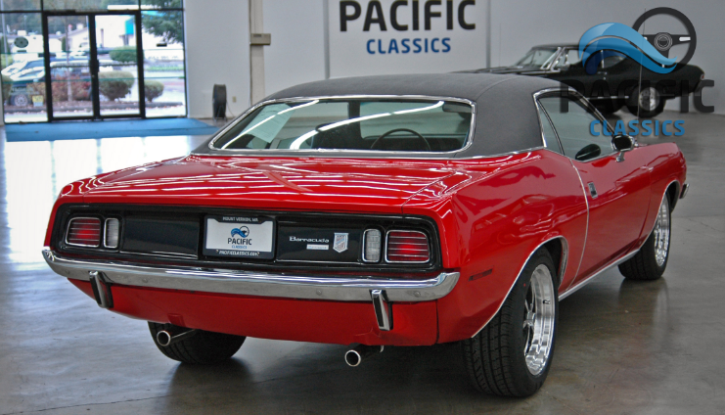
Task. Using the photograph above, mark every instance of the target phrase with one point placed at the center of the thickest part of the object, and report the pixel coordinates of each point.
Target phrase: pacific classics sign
(405, 36)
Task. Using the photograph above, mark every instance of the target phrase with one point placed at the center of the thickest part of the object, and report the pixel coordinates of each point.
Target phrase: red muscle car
(377, 211)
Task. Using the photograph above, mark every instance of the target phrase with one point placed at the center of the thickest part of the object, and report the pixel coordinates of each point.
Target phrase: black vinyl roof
(506, 119)
(506, 116)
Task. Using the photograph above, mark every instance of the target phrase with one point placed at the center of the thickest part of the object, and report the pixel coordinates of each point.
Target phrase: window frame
(573, 94)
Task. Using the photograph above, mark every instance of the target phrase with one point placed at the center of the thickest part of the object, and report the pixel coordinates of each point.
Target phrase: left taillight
(404, 246)
(84, 231)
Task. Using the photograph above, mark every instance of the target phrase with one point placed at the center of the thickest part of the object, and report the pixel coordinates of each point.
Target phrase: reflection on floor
(36, 171)
(639, 348)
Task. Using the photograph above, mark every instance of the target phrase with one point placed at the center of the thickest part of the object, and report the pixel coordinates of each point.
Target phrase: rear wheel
(203, 348)
(511, 356)
(651, 260)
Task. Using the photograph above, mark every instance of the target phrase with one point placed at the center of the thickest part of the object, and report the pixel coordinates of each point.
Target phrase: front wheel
(511, 356)
(203, 348)
(651, 260)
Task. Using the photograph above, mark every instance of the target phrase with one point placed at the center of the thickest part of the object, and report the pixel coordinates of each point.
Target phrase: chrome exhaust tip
(355, 356)
(165, 338)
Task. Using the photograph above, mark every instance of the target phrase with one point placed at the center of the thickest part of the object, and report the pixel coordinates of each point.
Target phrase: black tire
(203, 348)
(645, 266)
(634, 102)
(495, 356)
(608, 107)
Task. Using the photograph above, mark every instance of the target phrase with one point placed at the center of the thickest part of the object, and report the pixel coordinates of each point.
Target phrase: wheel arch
(553, 243)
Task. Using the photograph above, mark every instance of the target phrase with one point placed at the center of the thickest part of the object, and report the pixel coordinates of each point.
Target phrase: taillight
(407, 246)
(84, 232)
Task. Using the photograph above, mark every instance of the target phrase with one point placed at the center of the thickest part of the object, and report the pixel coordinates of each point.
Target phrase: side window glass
(572, 122)
(552, 143)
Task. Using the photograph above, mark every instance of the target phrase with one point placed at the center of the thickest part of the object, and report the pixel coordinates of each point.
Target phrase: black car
(614, 82)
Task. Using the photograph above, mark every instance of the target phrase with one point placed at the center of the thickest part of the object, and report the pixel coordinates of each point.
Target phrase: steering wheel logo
(649, 50)
(664, 41)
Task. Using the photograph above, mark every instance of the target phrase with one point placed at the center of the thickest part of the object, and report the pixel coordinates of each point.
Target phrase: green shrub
(115, 84)
(7, 85)
(153, 89)
(124, 54)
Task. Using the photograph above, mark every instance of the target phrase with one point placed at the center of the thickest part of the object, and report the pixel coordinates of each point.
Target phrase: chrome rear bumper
(333, 288)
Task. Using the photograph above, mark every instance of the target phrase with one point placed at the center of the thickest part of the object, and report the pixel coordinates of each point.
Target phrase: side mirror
(623, 142)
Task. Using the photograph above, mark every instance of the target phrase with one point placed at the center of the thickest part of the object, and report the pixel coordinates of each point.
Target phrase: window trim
(549, 92)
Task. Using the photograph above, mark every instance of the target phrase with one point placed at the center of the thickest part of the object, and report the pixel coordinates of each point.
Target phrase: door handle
(592, 190)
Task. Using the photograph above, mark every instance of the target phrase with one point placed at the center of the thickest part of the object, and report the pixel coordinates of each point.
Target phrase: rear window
(417, 125)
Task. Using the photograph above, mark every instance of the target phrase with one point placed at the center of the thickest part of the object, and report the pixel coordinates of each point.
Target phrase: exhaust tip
(163, 338)
(353, 358)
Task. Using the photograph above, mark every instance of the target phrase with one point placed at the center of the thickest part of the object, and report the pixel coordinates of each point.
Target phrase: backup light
(407, 246)
(372, 242)
(84, 232)
(113, 227)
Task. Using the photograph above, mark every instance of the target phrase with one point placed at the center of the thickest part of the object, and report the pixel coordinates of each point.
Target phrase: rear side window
(572, 121)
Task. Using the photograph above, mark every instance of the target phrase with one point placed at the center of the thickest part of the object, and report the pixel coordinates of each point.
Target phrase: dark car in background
(614, 82)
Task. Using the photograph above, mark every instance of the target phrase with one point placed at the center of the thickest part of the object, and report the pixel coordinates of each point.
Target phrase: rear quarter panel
(491, 223)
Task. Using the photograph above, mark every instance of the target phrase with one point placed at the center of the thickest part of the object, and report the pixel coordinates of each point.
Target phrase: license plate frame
(239, 236)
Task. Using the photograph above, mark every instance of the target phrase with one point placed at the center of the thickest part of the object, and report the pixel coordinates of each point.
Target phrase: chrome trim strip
(332, 288)
(563, 255)
(607, 267)
(67, 232)
(272, 152)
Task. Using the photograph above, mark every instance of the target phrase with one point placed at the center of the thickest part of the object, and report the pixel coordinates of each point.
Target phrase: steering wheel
(664, 41)
(395, 130)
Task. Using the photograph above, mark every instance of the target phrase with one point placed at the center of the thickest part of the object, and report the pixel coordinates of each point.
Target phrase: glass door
(93, 66)
(70, 90)
(117, 64)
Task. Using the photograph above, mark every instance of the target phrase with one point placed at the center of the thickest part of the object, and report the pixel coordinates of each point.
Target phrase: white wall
(217, 52)
(297, 53)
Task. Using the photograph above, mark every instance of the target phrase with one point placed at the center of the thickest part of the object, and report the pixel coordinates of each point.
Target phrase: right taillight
(407, 246)
(84, 232)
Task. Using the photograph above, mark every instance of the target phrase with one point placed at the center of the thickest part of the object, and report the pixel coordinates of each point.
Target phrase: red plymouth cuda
(377, 211)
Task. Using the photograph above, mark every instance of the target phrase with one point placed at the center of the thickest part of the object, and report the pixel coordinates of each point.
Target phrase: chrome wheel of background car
(662, 234)
(649, 98)
(539, 319)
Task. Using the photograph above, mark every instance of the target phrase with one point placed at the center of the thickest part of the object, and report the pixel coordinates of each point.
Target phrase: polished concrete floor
(622, 347)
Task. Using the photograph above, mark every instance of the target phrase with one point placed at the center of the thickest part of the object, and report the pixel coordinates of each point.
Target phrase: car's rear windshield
(417, 125)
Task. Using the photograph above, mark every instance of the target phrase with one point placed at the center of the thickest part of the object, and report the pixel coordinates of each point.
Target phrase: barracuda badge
(340, 244)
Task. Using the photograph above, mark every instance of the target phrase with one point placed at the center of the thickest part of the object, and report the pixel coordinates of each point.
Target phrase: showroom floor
(622, 347)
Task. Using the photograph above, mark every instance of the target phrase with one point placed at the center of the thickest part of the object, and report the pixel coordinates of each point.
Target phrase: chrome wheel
(649, 99)
(539, 319)
(662, 233)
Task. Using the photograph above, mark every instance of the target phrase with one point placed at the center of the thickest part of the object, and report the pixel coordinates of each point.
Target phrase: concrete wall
(217, 39)
(217, 52)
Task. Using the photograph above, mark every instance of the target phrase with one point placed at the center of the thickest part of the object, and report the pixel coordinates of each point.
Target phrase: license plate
(239, 236)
